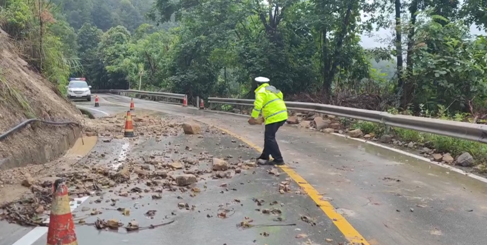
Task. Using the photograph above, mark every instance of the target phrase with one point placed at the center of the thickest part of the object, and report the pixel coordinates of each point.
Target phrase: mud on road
(179, 182)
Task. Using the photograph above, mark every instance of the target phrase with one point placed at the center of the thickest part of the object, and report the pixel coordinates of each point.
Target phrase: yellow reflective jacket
(268, 100)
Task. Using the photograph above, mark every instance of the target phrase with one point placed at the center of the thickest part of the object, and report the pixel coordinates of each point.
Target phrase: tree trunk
(41, 24)
(399, 58)
(331, 67)
(408, 86)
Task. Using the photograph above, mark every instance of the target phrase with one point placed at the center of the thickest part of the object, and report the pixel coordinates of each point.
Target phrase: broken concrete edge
(458, 170)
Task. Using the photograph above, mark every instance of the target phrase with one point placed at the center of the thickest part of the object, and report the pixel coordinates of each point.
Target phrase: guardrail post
(197, 101)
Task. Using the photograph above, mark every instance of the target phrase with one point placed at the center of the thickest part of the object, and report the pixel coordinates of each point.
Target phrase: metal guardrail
(139, 92)
(462, 130)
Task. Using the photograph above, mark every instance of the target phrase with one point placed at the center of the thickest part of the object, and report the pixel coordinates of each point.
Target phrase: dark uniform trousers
(270, 144)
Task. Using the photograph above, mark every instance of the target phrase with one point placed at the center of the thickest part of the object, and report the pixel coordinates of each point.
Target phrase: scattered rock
(335, 125)
(274, 171)
(425, 150)
(40, 209)
(437, 157)
(367, 136)
(112, 224)
(305, 124)
(250, 163)
(448, 158)
(28, 180)
(356, 133)
(219, 164)
(185, 179)
(191, 128)
(386, 138)
(465, 160)
(292, 120)
(321, 123)
(132, 226)
(176, 165)
(411, 145)
(329, 130)
(160, 173)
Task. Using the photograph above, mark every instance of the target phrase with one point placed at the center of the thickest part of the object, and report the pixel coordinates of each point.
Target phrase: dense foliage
(310, 49)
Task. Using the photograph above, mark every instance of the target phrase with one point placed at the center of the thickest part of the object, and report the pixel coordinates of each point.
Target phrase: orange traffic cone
(185, 101)
(129, 126)
(61, 224)
(132, 107)
(97, 103)
(202, 104)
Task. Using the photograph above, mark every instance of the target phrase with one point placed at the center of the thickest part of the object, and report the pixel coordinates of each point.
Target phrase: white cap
(262, 79)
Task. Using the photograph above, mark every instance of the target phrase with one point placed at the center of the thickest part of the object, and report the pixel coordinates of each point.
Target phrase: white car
(79, 89)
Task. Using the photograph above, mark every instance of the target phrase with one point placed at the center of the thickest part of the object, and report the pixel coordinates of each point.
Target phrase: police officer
(269, 101)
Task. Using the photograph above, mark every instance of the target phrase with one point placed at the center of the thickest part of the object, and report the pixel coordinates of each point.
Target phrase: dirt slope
(25, 94)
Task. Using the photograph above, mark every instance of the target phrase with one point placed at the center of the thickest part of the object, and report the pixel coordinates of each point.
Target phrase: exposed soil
(26, 94)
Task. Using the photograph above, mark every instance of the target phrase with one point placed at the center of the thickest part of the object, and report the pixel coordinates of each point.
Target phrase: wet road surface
(293, 217)
(201, 224)
(389, 198)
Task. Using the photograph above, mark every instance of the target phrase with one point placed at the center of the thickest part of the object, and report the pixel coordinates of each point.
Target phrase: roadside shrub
(368, 127)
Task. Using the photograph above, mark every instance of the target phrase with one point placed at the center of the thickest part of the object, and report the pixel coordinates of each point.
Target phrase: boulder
(185, 179)
(386, 138)
(437, 157)
(356, 133)
(219, 164)
(447, 158)
(321, 123)
(465, 160)
(191, 128)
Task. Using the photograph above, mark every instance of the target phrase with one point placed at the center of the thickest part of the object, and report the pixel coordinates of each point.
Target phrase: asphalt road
(390, 199)
(385, 197)
(294, 217)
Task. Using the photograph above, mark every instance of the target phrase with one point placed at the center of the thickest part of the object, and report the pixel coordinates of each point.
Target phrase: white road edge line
(36, 233)
(457, 170)
(474, 176)
(93, 109)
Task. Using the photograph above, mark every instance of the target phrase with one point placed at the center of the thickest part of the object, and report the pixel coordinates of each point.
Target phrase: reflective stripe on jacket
(269, 101)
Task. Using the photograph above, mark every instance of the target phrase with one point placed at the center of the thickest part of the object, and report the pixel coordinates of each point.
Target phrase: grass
(28, 112)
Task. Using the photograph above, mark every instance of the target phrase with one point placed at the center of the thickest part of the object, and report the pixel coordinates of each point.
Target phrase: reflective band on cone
(129, 126)
(132, 107)
(61, 224)
(202, 104)
(185, 101)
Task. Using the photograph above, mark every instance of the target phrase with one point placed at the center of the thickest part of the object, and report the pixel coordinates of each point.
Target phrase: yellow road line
(340, 222)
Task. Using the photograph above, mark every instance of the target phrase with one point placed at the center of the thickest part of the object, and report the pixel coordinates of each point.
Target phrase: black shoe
(261, 161)
(275, 162)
